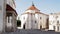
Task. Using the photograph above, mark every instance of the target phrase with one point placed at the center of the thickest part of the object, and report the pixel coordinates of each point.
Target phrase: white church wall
(41, 18)
(30, 11)
(23, 19)
(34, 22)
(38, 20)
(28, 22)
(42, 22)
(32, 25)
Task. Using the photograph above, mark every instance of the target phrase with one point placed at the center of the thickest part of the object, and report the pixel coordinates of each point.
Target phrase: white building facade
(54, 22)
(32, 18)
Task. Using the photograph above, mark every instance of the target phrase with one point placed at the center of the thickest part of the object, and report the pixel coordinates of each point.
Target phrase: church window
(35, 22)
(57, 22)
(40, 17)
(24, 17)
(56, 16)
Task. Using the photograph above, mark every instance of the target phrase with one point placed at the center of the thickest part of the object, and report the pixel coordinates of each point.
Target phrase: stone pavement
(36, 31)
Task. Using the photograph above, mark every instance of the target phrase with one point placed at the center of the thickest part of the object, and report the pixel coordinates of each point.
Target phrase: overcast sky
(45, 6)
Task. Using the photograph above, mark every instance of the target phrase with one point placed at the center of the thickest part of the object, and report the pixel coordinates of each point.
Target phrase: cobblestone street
(32, 32)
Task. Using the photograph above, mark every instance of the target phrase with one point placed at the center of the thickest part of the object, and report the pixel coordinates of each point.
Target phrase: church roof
(32, 7)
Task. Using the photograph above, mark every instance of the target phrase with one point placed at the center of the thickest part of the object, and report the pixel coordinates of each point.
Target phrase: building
(8, 15)
(54, 22)
(11, 15)
(2, 11)
(32, 18)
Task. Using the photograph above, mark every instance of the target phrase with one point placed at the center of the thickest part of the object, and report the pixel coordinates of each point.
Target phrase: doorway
(40, 27)
(24, 26)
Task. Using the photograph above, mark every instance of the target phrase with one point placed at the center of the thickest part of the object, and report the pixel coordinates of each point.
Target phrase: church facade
(8, 15)
(32, 18)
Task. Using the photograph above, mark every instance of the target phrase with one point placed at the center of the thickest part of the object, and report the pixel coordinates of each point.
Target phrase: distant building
(32, 18)
(54, 22)
(8, 15)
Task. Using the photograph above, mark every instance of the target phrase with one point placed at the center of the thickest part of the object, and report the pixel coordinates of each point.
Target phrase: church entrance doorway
(40, 27)
(24, 26)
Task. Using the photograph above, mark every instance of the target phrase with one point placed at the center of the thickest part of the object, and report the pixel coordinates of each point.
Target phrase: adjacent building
(54, 22)
(11, 16)
(2, 14)
(32, 18)
(8, 15)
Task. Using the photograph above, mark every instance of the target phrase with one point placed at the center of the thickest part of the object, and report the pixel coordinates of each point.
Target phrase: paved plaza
(32, 32)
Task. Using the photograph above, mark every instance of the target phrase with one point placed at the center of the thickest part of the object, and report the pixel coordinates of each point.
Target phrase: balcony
(10, 6)
(11, 3)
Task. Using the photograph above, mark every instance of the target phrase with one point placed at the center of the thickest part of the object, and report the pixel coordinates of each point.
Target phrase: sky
(45, 6)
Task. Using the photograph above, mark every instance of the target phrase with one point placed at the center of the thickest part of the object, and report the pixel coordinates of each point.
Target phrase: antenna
(32, 3)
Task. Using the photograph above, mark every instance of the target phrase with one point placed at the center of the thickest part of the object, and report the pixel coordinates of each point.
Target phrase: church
(32, 18)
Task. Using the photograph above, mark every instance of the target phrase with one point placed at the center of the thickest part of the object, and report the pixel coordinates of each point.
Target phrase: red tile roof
(32, 8)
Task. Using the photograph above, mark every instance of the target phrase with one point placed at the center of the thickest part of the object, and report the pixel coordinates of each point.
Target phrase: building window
(54, 27)
(0, 8)
(58, 28)
(40, 17)
(24, 17)
(8, 19)
(35, 22)
(57, 22)
(56, 16)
